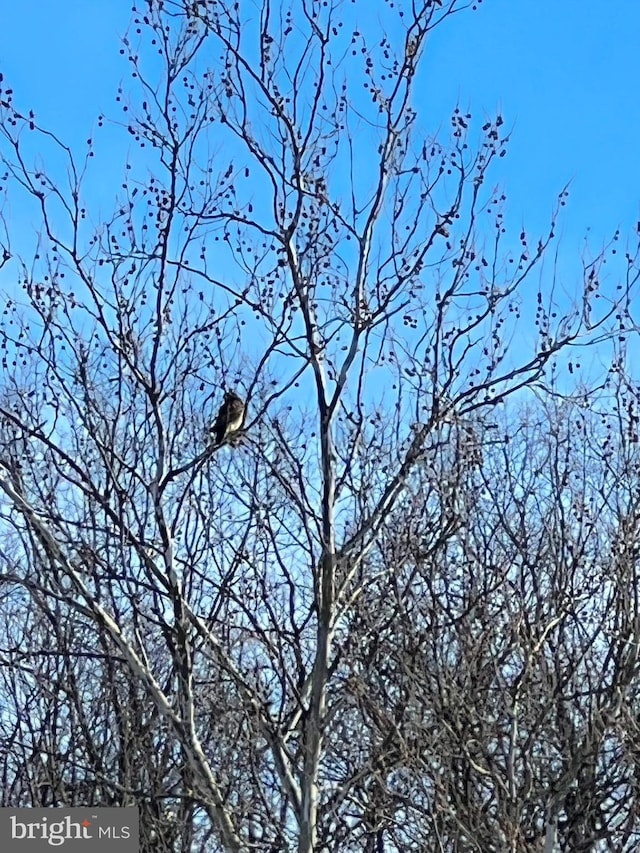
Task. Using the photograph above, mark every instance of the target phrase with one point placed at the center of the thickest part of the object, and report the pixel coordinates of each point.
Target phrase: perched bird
(229, 419)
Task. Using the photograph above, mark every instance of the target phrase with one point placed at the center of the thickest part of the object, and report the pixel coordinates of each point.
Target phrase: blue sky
(562, 73)
(566, 75)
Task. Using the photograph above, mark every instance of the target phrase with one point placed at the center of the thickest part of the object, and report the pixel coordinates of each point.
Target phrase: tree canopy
(397, 607)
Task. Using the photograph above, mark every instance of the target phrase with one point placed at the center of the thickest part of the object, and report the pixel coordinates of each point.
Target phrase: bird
(229, 419)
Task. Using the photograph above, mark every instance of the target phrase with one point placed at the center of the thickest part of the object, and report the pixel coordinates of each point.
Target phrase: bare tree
(388, 611)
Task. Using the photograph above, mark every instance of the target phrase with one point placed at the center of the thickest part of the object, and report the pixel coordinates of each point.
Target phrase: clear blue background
(564, 73)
